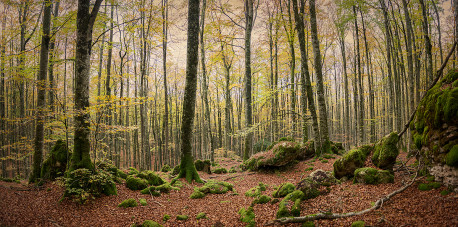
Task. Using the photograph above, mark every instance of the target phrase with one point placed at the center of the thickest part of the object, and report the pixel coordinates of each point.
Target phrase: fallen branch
(318, 216)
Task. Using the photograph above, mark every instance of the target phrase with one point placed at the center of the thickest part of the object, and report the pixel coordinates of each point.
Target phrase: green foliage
(428, 186)
(166, 168)
(451, 159)
(143, 202)
(283, 190)
(135, 183)
(358, 224)
(166, 217)
(182, 217)
(220, 170)
(149, 223)
(128, 203)
(83, 184)
(201, 215)
(247, 216)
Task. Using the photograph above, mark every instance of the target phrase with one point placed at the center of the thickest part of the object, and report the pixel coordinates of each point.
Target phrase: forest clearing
(229, 113)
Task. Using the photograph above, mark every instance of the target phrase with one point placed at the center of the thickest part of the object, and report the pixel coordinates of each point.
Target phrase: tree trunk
(249, 17)
(360, 84)
(428, 46)
(84, 23)
(187, 168)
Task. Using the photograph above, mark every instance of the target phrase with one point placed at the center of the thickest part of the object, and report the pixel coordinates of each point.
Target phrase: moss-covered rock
(349, 162)
(56, 161)
(197, 194)
(435, 129)
(283, 190)
(201, 215)
(358, 224)
(165, 168)
(128, 203)
(176, 170)
(372, 176)
(132, 171)
(151, 177)
(156, 190)
(309, 188)
(136, 183)
(262, 199)
(143, 202)
(166, 217)
(247, 216)
(386, 151)
(203, 165)
(293, 199)
(182, 217)
(211, 187)
(149, 223)
(220, 170)
(283, 153)
(428, 186)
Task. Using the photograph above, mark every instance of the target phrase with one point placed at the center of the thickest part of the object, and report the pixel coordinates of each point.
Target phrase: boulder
(283, 153)
(203, 165)
(386, 151)
(310, 185)
(435, 130)
(56, 162)
(350, 161)
(372, 176)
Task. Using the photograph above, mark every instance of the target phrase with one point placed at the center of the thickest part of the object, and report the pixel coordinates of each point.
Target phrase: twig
(318, 216)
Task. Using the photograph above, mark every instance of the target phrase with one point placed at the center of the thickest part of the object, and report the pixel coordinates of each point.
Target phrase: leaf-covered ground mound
(39, 206)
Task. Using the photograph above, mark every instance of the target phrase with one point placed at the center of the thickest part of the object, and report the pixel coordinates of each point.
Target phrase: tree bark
(187, 168)
(249, 17)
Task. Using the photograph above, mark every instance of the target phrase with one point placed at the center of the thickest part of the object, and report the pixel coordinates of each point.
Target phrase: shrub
(83, 184)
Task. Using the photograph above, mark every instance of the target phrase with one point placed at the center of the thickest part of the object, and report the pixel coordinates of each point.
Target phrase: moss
(201, 215)
(445, 192)
(182, 217)
(149, 223)
(430, 178)
(417, 139)
(308, 169)
(187, 169)
(132, 171)
(283, 211)
(349, 162)
(324, 161)
(262, 199)
(286, 139)
(247, 216)
(296, 208)
(165, 168)
(220, 170)
(151, 191)
(451, 105)
(121, 174)
(428, 186)
(386, 151)
(253, 192)
(135, 183)
(372, 176)
(308, 224)
(199, 165)
(216, 187)
(197, 194)
(283, 190)
(451, 159)
(328, 156)
(128, 203)
(143, 202)
(166, 217)
(151, 177)
(358, 224)
(56, 161)
(176, 170)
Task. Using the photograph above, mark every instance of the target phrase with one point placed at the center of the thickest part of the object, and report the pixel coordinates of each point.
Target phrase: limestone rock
(372, 176)
(386, 151)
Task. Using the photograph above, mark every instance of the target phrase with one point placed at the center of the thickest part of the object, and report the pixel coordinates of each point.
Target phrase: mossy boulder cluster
(247, 216)
(291, 205)
(372, 176)
(140, 180)
(56, 161)
(310, 186)
(212, 187)
(256, 192)
(351, 161)
(435, 129)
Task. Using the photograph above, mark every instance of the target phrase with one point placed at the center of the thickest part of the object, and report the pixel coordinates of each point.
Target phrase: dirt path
(29, 206)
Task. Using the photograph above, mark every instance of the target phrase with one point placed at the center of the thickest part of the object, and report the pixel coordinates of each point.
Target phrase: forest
(229, 113)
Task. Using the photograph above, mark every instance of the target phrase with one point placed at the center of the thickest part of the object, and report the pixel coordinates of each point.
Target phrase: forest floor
(22, 205)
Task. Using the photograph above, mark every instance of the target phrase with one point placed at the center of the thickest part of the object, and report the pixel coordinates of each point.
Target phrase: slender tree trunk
(108, 116)
(360, 83)
(249, 19)
(187, 168)
(428, 46)
(165, 126)
(51, 58)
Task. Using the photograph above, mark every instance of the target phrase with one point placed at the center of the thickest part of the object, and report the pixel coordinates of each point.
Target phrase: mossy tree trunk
(84, 23)
(249, 19)
(41, 100)
(305, 76)
(187, 168)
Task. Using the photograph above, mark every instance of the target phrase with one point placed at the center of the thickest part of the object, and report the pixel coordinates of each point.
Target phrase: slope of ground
(30, 206)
